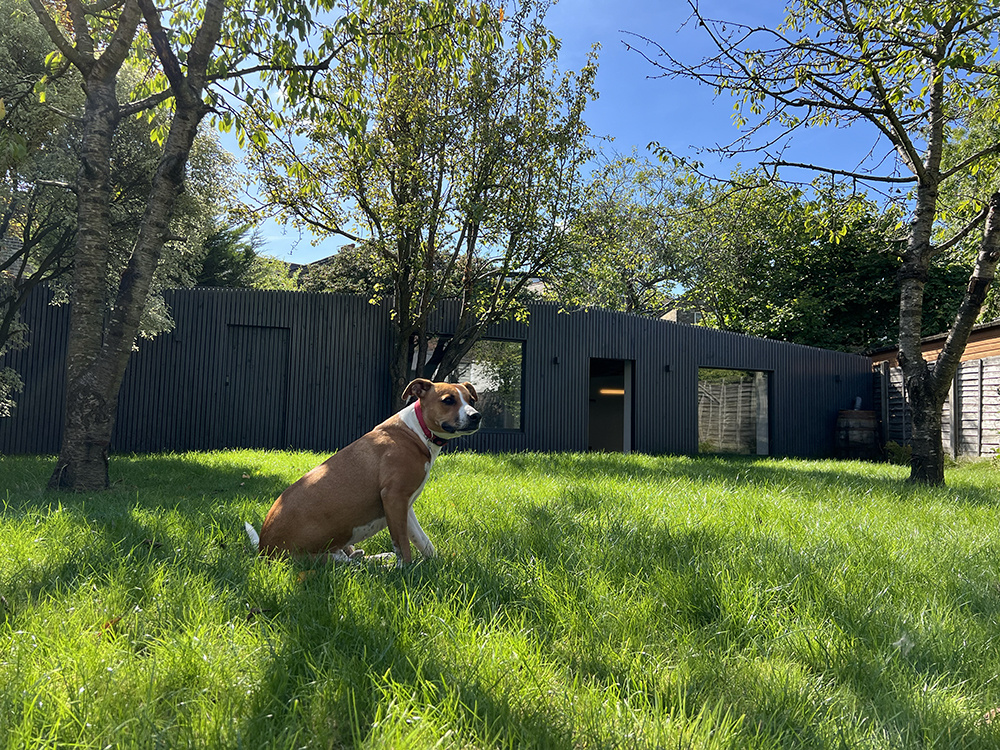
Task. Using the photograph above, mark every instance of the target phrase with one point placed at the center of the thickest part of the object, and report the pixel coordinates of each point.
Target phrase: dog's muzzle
(473, 419)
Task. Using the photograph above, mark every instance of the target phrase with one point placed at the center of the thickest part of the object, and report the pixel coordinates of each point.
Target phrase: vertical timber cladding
(259, 370)
(562, 351)
(808, 386)
(335, 364)
(255, 399)
(341, 370)
(35, 425)
(332, 352)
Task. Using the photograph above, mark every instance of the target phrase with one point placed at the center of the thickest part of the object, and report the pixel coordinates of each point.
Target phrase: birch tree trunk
(928, 383)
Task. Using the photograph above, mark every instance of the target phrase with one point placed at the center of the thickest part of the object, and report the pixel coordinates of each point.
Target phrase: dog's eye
(449, 400)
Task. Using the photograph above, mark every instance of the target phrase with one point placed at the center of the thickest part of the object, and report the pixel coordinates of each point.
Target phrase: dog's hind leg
(337, 555)
(381, 557)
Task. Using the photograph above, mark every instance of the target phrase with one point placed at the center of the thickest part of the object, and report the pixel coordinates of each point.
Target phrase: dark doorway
(255, 398)
(610, 425)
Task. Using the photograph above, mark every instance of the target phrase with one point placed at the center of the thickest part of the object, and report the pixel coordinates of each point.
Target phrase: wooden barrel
(857, 434)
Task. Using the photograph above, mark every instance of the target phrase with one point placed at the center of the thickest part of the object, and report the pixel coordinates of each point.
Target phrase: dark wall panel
(255, 397)
(37, 421)
(311, 371)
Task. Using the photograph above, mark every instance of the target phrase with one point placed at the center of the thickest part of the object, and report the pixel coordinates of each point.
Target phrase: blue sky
(636, 107)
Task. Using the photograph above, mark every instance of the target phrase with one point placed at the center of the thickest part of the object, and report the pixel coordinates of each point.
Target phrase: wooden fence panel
(727, 417)
(970, 418)
(990, 406)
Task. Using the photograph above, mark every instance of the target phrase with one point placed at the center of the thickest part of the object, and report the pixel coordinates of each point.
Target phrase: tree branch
(982, 276)
(100, 6)
(140, 105)
(970, 160)
(963, 232)
(843, 173)
(117, 49)
(71, 53)
(164, 52)
(57, 183)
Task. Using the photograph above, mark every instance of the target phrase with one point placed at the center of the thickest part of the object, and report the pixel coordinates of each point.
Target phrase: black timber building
(308, 371)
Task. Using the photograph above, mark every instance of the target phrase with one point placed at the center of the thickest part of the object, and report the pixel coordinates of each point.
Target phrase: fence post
(884, 388)
(979, 419)
(956, 419)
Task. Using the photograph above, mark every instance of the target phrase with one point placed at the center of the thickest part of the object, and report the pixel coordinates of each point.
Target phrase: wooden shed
(984, 342)
(301, 370)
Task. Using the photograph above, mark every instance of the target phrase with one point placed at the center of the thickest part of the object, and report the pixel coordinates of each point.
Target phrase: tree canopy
(628, 232)
(458, 172)
(916, 74)
(813, 266)
(40, 142)
(816, 267)
(194, 60)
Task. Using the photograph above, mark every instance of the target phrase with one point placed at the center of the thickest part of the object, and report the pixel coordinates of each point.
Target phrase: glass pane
(494, 369)
(732, 411)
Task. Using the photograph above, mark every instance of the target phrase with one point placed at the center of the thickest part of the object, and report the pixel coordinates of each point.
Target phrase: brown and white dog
(372, 483)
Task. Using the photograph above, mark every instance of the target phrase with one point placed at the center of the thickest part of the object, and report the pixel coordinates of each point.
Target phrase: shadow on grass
(150, 481)
(343, 667)
(186, 515)
(336, 659)
(163, 509)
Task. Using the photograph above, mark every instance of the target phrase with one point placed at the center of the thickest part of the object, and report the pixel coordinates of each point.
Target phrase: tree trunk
(88, 417)
(406, 337)
(928, 384)
(927, 458)
(399, 371)
(101, 341)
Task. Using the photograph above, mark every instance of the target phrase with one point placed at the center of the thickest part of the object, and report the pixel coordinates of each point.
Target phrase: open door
(610, 415)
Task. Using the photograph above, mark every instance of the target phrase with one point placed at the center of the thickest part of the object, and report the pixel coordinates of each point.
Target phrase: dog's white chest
(427, 473)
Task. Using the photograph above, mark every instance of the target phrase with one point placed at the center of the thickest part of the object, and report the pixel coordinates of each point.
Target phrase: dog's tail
(254, 536)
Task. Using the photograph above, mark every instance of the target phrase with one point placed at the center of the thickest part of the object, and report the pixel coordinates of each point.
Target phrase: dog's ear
(417, 388)
(472, 391)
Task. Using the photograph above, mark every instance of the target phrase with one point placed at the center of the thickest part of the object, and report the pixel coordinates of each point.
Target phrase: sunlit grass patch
(579, 600)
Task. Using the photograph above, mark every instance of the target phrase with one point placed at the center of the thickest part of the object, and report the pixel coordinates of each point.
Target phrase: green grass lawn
(578, 601)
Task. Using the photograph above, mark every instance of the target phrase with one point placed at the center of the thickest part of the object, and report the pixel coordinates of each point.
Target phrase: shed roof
(984, 341)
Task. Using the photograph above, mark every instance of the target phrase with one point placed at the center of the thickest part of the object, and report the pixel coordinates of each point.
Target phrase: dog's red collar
(423, 426)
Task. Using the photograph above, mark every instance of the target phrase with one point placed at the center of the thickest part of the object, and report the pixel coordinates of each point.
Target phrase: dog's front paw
(356, 554)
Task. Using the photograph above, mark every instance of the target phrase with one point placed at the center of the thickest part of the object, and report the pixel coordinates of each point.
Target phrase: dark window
(733, 411)
(494, 367)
